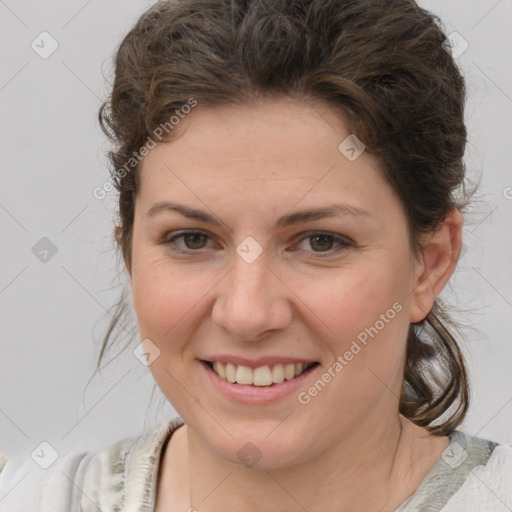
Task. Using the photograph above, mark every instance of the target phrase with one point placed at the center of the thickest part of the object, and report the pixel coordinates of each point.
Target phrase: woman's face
(261, 286)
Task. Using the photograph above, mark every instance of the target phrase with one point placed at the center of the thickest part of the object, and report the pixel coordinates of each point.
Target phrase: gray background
(54, 313)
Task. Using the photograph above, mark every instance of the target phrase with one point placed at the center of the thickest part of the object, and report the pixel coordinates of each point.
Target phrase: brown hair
(383, 64)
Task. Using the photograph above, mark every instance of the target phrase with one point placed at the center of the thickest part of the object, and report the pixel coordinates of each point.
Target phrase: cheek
(166, 297)
(372, 315)
(361, 316)
(351, 300)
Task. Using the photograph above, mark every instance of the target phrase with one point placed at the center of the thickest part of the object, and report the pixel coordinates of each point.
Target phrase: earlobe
(441, 251)
(119, 240)
(117, 234)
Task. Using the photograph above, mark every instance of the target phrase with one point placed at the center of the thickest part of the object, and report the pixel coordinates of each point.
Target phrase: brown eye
(192, 241)
(322, 242)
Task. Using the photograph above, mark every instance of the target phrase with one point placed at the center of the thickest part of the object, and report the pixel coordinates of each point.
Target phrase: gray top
(126, 474)
(462, 454)
(472, 475)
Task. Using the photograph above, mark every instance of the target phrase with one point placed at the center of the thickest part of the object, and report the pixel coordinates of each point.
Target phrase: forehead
(286, 132)
(285, 151)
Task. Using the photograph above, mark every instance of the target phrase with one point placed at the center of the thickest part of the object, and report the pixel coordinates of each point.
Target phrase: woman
(290, 210)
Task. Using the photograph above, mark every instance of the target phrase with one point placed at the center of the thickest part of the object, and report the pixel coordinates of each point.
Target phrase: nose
(252, 300)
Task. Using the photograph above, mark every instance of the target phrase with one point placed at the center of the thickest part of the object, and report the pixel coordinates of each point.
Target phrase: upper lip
(260, 361)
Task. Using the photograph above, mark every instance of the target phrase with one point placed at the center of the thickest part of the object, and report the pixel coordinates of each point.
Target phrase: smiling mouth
(263, 376)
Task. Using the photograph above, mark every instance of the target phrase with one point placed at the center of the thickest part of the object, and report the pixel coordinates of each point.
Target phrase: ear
(117, 234)
(118, 238)
(441, 251)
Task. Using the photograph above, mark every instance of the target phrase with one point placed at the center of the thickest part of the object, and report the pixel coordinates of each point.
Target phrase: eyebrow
(284, 221)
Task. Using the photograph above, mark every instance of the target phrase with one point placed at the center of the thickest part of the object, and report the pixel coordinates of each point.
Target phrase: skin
(348, 449)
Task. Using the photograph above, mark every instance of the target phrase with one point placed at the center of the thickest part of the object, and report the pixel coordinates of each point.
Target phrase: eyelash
(310, 234)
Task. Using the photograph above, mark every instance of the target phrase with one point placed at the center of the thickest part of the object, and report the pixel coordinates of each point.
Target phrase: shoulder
(123, 476)
(3, 462)
(85, 480)
(23, 483)
(488, 485)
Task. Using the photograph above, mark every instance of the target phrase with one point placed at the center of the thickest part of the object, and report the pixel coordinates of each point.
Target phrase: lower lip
(258, 394)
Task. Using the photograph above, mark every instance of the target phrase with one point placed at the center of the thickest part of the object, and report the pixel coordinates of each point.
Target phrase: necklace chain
(191, 507)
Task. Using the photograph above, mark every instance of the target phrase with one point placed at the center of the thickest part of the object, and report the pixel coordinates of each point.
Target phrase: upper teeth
(261, 376)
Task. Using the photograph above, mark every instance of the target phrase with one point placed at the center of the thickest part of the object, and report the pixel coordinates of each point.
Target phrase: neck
(362, 472)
